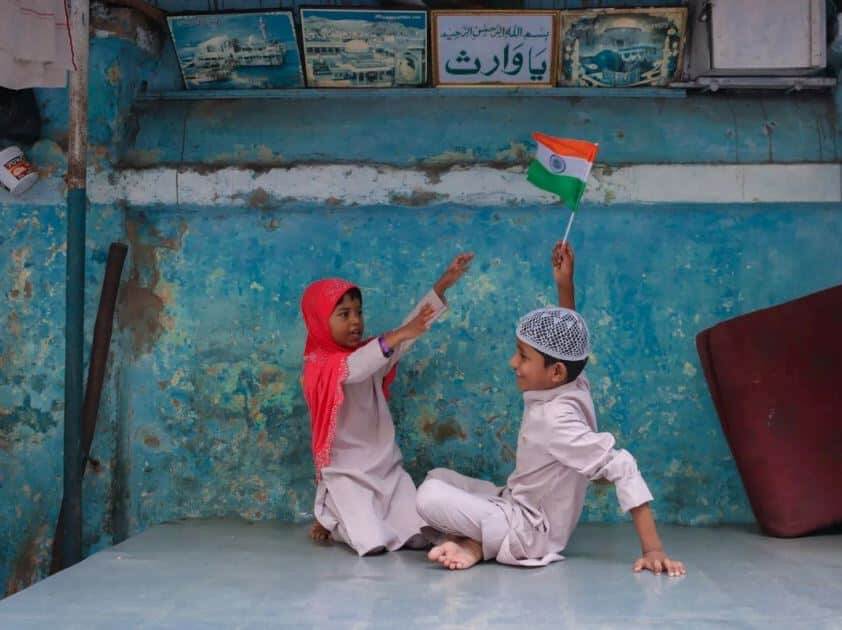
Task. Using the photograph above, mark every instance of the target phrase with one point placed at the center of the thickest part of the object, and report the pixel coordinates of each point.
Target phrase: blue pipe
(73, 390)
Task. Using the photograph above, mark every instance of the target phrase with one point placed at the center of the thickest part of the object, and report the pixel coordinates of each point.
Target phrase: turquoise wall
(32, 267)
(202, 413)
(216, 416)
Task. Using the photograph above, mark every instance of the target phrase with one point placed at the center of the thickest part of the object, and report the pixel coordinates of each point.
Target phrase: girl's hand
(563, 264)
(414, 328)
(658, 561)
(454, 271)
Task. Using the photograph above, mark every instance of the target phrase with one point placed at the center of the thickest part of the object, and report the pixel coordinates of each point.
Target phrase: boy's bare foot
(457, 553)
(319, 533)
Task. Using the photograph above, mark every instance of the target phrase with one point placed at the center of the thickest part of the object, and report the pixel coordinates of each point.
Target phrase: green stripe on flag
(570, 189)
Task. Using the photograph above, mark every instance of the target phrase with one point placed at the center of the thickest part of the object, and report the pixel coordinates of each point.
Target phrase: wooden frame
(500, 39)
(601, 48)
(355, 62)
(237, 50)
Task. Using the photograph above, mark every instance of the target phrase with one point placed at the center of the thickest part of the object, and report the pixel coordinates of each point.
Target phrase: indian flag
(562, 166)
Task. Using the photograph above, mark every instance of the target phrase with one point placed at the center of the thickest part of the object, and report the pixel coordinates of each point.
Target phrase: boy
(529, 521)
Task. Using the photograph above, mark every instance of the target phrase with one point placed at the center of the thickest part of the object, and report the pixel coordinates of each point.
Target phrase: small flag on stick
(562, 166)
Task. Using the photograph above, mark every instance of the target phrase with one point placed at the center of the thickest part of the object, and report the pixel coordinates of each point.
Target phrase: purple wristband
(384, 347)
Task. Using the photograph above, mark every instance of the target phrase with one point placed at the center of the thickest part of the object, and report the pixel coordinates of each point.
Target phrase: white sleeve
(439, 307)
(593, 455)
(365, 362)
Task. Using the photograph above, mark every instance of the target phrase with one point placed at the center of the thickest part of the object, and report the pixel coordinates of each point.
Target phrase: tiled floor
(233, 574)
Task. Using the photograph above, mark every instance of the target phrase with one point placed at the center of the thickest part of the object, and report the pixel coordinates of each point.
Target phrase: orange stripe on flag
(568, 147)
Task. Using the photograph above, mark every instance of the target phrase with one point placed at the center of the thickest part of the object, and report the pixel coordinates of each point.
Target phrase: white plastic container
(16, 174)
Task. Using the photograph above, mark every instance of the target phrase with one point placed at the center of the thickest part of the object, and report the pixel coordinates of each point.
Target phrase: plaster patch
(343, 185)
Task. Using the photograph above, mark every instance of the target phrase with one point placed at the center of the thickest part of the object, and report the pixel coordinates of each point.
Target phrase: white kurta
(559, 451)
(365, 498)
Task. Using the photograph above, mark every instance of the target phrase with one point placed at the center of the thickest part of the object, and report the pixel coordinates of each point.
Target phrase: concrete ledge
(468, 128)
(338, 185)
(347, 185)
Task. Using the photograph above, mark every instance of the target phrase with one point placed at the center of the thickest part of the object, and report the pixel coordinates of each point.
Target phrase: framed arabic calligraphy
(621, 47)
(487, 47)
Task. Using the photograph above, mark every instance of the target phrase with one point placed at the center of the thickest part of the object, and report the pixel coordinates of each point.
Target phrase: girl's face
(346, 322)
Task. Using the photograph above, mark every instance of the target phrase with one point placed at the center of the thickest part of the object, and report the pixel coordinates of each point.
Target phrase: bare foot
(438, 550)
(318, 533)
(457, 553)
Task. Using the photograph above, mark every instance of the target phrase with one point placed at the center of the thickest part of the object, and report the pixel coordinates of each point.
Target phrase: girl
(364, 496)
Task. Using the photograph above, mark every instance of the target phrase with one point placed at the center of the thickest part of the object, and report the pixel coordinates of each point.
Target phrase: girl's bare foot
(457, 553)
(319, 533)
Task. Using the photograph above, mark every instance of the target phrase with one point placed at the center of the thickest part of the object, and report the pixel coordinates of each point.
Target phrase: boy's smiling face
(346, 322)
(530, 371)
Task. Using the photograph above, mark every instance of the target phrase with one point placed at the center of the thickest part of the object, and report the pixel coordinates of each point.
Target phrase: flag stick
(567, 231)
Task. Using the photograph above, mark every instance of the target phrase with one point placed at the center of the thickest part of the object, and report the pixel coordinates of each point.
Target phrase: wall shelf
(788, 84)
(380, 93)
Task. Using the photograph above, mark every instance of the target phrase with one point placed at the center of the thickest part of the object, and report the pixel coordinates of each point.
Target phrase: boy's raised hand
(563, 263)
(454, 271)
(658, 562)
(563, 274)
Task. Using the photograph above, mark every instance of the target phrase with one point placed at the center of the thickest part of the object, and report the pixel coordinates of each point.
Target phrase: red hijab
(325, 365)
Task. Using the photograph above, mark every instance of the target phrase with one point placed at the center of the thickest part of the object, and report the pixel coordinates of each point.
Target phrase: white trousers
(458, 505)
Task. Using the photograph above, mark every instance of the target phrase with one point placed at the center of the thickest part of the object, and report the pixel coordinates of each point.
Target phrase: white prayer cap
(558, 332)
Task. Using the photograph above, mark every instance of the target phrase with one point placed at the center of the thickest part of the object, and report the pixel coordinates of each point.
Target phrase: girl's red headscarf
(325, 365)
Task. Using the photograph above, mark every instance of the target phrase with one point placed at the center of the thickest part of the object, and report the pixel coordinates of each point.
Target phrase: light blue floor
(232, 574)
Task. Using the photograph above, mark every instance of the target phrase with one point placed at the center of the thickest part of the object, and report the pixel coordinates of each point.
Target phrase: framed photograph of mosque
(621, 47)
(237, 51)
(364, 48)
(494, 47)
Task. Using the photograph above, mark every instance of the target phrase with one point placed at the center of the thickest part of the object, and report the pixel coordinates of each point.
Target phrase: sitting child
(529, 521)
(364, 496)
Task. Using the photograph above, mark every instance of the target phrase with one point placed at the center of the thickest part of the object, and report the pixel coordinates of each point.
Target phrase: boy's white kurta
(365, 498)
(559, 451)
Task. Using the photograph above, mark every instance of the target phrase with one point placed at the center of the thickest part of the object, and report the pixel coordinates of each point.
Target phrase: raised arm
(367, 360)
(416, 325)
(382, 353)
(455, 270)
(435, 298)
(563, 260)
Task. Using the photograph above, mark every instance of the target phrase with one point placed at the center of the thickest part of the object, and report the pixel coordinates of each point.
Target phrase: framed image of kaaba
(621, 47)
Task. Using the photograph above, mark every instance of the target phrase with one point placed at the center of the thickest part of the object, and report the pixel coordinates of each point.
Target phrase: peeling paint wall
(217, 418)
(32, 303)
(202, 412)
(718, 129)
(32, 267)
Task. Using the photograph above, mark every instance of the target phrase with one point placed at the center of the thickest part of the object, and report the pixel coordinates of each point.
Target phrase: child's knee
(428, 499)
(438, 474)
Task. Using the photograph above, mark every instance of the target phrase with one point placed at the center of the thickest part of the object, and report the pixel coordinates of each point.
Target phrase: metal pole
(75, 282)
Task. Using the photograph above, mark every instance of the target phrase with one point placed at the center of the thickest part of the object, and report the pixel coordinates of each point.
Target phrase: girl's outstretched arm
(412, 329)
(455, 270)
(365, 361)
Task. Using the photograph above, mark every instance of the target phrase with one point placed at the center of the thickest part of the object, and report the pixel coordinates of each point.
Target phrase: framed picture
(621, 47)
(487, 47)
(230, 51)
(364, 47)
